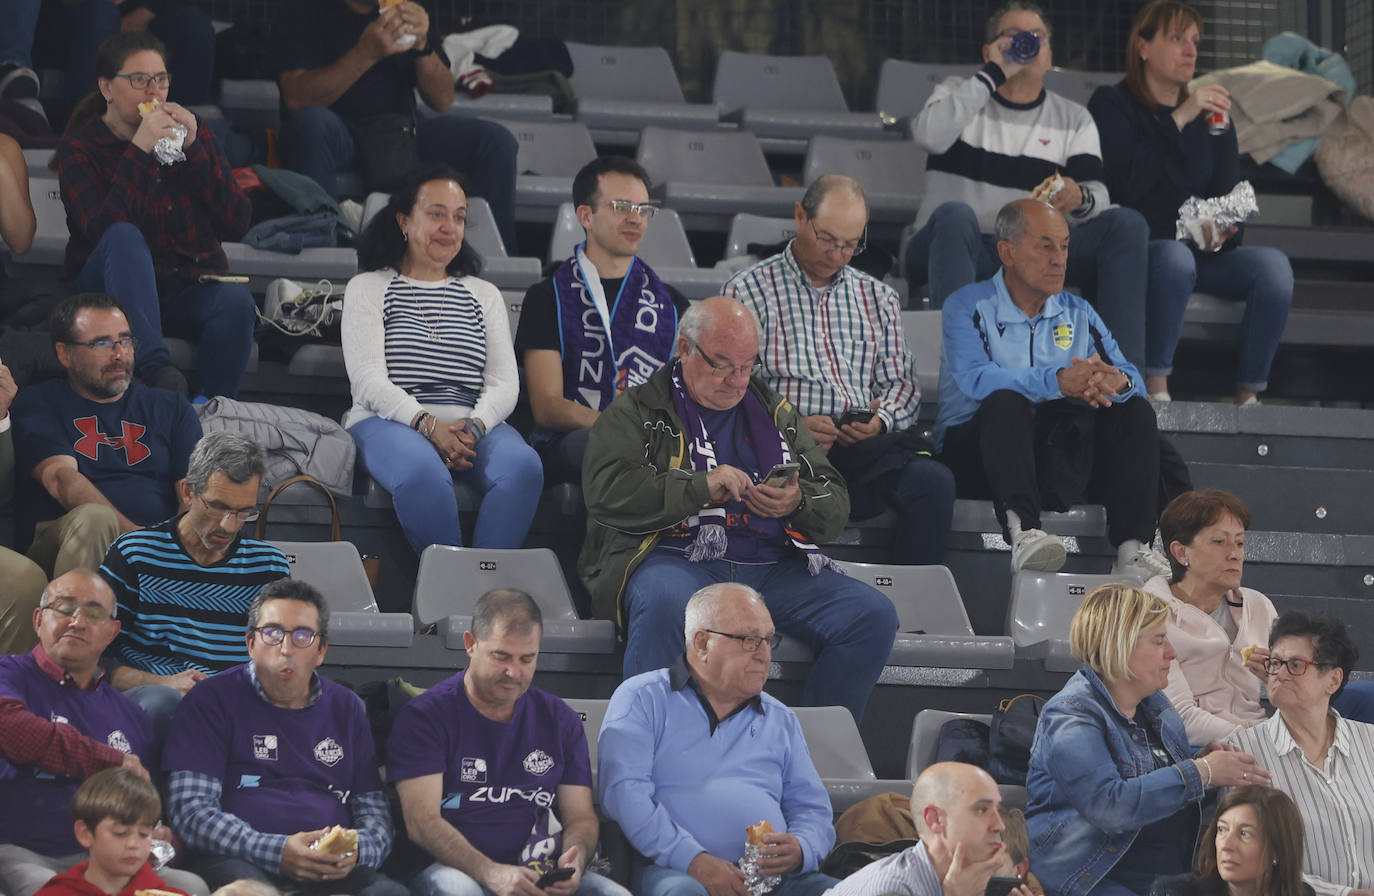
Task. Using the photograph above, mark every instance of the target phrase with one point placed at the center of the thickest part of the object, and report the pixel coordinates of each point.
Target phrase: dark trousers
(1001, 453)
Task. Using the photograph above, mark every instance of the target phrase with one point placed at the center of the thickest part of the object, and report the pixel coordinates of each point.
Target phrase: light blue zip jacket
(991, 345)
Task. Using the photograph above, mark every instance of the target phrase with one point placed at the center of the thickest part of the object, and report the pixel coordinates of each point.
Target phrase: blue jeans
(220, 316)
(848, 624)
(655, 880)
(1109, 250)
(220, 871)
(441, 880)
(922, 495)
(16, 38)
(1257, 275)
(506, 471)
(316, 142)
(159, 701)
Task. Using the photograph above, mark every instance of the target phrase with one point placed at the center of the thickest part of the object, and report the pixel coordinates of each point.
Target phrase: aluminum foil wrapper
(161, 853)
(757, 882)
(1222, 211)
(167, 150)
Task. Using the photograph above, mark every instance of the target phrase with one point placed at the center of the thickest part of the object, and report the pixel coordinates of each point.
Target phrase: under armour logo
(92, 438)
(1044, 141)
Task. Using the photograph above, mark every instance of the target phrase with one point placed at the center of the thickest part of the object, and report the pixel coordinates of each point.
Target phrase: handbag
(294, 314)
(386, 148)
(372, 564)
(1010, 736)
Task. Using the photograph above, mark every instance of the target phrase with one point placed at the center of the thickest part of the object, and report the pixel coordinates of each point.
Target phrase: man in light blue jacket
(1039, 406)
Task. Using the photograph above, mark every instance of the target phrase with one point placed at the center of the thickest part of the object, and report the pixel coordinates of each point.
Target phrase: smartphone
(781, 474)
(1001, 886)
(856, 415)
(556, 876)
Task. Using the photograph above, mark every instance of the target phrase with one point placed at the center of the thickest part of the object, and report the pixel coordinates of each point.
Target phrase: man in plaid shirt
(833, 345)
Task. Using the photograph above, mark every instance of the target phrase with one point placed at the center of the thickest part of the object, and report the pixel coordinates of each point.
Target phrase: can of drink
(1025, 46)
(1218, 122)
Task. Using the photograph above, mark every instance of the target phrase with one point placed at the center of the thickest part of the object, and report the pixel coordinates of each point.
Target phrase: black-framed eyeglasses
(93, 613)
(751, 643)
(141, 80)
(222, 513)
(272, 635)
(105, 345)
(721, 371)
(1296, 665)
(645, 210)
(828, 240)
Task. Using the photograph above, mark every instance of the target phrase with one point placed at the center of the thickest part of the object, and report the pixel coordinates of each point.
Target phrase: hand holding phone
(781, 474)
(1002, 886)
(856, 415)
(555, 876)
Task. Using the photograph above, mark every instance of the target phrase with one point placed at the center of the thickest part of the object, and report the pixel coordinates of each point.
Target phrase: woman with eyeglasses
(1253, 847)
(432, 369)
(149, 233)
(1323, 761)
(1115, 789)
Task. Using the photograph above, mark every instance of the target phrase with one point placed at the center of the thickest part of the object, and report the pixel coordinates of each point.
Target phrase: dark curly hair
(1332, 644)
(382, 245)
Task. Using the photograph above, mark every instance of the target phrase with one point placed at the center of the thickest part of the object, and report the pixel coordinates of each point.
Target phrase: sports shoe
(1038, 550)
(1145, 564)
(1161, 395)
(17, 82)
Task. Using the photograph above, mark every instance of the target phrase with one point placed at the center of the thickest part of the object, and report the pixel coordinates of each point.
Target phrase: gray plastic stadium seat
(623, 89)
(933, 627)
(549, 155)
(50, 239)
(746, 229)
(1042, 606)
(36, 160)
(451, 580)
(925, 338)
(892, 172)
(904, 87)
(522, 107)
(1076, 85)
(786, 100)
(925, 742)
(840, 757)
(593, 713)
(332, 263)
(713, 175)
(665, 249)
(335, 568)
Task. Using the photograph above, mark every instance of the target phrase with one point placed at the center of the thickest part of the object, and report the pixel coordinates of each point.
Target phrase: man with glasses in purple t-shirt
(267, 756)
(483, 763)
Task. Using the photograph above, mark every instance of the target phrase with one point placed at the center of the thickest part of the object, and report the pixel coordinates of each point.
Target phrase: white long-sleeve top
(441, 346)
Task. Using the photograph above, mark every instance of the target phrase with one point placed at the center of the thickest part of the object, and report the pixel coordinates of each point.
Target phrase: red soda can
(1218, 121)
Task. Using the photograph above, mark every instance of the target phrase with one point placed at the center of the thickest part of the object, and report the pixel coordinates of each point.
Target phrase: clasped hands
(456, 446)
(1092, 381)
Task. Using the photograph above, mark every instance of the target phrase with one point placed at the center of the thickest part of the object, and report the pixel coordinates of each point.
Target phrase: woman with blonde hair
(1115, 789)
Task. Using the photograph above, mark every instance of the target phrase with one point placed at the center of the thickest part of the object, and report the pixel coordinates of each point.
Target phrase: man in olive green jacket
(679, 496)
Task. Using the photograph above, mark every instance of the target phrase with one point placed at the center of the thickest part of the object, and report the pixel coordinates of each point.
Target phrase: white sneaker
(1144, 564)
(1038, 550)
(1162, 395)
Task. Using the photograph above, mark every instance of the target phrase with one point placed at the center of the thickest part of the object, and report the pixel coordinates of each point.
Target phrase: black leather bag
(1010, 736)
(385, 148)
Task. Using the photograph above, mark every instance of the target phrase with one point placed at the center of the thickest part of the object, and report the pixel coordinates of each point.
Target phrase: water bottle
(1025, 46)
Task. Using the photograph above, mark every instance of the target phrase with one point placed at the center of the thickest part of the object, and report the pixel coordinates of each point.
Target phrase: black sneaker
(17, 82)
(169, 378)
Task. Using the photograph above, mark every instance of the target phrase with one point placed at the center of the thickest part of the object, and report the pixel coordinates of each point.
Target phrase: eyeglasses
(828, 241)
(1296, 665)
(141, 80)
(222, 513)
(272, 635)
(105, 345)
(93, 613)
(752, 643)
(626, 207)
(721, 371)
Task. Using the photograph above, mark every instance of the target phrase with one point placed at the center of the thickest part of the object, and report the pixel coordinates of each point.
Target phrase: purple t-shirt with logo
(281, 770)
(500, 778)
(34, 810)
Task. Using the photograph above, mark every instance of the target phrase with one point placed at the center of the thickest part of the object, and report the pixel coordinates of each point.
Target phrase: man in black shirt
(601, 323)
(349, 73)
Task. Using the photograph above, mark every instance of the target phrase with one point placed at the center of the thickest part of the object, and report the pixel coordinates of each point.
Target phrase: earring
(405, 237)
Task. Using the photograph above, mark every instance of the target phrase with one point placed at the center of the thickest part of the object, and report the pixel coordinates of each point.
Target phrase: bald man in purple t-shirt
(483, 761)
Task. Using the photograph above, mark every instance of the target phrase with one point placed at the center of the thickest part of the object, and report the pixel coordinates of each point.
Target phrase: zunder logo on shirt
(329, 752)
(92, 438)
(538, 763)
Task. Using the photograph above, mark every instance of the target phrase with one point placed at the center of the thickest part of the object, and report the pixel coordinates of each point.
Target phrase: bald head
(844, 188)
(708, 605)
(955, 803)
(86, 584)
(1033, 246)
(718, 315)
(718, 344)
(75, 621)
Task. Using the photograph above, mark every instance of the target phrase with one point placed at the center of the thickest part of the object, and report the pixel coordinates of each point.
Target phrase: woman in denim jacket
(1115, 790)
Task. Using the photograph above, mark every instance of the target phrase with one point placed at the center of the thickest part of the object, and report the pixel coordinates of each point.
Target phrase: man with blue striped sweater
(184, 585)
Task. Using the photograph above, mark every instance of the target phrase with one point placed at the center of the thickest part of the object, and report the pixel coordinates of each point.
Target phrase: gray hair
(512, 606)
(704, 606)
(1013, 6)
(824, 185)
(698, 317)
(290, 589)
(1012, 222)
(234, 454)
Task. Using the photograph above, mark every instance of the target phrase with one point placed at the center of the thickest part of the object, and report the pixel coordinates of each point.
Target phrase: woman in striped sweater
(432, 369)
